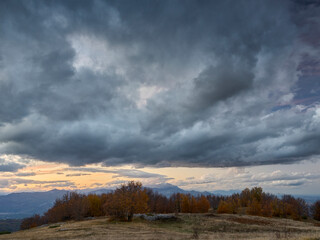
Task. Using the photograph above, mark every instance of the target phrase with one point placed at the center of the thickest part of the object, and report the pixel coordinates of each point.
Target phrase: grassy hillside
(185, 226)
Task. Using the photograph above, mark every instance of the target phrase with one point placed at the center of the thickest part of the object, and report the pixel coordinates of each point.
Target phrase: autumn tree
(302, 208)
(127, 200)
(95, 205)
(255, 203)
(31, 222)
(224, 207)
(72, 206)
(254, 207)
(214, 201)
(295, 208)
(193, 204)
(58, 212)
(175, 202)
(185, 203)
(316, 210)
(78, 206)
(203, 204)
(245, 197)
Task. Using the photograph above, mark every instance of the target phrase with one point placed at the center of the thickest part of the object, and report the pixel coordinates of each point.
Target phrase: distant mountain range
(168, 189)
(25, 204)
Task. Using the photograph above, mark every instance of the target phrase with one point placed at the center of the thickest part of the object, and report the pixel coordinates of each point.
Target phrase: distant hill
(25, 204)
(98, 191)
(168, 189)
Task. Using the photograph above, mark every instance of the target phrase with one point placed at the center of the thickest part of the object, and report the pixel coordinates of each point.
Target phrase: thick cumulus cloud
(161, 83)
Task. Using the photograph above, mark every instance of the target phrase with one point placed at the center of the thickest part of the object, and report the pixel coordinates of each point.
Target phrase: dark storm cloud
(161, 83)
(10, 167)
(221, 83)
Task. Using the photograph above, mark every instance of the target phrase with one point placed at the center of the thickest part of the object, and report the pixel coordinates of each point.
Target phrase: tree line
(132, 198)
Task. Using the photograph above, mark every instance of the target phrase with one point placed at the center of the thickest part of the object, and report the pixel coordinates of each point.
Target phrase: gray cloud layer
(129, 173)
(12, 182)
(10, 166)
(241, 178)
(72, 75)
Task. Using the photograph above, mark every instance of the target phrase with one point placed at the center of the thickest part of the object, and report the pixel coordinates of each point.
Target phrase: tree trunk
(130, 216)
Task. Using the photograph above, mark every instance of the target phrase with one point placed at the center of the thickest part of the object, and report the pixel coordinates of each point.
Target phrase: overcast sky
(209, 87)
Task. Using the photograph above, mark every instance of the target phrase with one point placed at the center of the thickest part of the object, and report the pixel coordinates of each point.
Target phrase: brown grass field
(186, 226)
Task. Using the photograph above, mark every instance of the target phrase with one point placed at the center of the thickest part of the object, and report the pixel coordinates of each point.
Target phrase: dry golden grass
(188, 226)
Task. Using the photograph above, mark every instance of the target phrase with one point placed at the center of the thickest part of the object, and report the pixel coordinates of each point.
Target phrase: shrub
(316, 210)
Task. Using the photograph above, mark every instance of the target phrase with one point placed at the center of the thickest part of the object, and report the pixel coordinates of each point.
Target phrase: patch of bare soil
(251, 221)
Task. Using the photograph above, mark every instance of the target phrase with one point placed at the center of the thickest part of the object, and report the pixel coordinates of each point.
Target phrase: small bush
(54, 226)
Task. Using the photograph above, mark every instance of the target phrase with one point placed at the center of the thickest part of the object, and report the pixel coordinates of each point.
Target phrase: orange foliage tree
(255, 202)
(34, 221)
(203, 204)
(72, 206)
(185, 204)
(224, 207)
(127, 200)
(95, 205)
